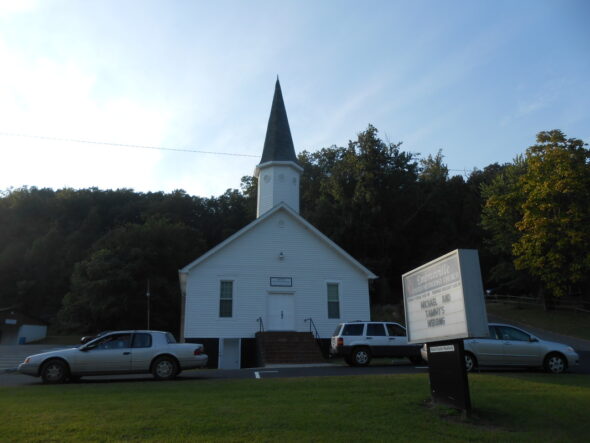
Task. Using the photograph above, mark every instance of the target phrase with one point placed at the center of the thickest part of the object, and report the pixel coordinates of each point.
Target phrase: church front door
(281, 313)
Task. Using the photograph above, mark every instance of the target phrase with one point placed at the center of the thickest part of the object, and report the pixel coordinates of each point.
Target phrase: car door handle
(369, 338)
(126, 353)
(392, 338)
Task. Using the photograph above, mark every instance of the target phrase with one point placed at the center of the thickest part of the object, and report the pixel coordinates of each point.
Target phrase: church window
(226, 298)
(333, 301)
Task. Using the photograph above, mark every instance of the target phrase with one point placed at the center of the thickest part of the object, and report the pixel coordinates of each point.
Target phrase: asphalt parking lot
(399, 366)
(275, 371)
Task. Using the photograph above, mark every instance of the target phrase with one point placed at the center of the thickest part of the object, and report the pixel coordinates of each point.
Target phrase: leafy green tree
(554, 241)
(362, 197)
(108, 289)
(45, 234)
(502, 210)
(537, 216)
(433, 169)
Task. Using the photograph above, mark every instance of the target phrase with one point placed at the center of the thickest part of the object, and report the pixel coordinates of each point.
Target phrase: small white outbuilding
(278, 273)
(16, 327)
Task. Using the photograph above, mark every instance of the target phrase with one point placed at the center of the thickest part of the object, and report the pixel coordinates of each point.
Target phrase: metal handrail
(312, 324)
(317, 337)
(261, 327)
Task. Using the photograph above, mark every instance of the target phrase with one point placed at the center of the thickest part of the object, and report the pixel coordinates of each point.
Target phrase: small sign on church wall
(284, 282)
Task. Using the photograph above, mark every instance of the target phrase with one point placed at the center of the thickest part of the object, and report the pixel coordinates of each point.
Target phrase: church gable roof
(281, 207)
(278, 144)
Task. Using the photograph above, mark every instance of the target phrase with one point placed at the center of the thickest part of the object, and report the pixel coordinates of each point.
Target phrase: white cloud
(10, 7)
(44, 97)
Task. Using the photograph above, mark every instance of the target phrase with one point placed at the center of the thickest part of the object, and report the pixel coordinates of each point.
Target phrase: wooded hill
(81, 259)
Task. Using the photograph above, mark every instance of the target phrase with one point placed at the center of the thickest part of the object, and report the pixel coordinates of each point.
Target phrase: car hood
(56, 353)
(555, 345)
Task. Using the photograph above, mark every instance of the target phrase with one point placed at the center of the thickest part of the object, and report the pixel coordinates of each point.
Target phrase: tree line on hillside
(82, 259)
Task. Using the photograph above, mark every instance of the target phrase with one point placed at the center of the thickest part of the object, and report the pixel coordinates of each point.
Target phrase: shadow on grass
(480, 418)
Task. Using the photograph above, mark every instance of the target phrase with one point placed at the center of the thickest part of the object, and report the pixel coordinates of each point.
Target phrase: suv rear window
(337, 331)
(375, 329)
(353, 329)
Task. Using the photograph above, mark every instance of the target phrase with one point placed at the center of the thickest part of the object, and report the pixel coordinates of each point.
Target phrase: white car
(118, 352)
(360, 341)
(508, 345)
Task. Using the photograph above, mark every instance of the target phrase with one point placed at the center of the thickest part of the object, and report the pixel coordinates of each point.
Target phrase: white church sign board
(444, 299)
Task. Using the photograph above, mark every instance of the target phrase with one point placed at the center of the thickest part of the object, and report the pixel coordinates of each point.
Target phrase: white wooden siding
(251, 260)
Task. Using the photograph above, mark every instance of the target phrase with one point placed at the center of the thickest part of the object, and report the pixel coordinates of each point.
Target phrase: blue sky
(477, 79)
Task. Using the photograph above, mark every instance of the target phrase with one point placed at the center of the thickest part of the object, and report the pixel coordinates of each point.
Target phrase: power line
(158, 148)
(124, 145)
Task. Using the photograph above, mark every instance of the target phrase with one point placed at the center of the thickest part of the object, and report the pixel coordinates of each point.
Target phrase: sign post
(448, 376)
(444, 304)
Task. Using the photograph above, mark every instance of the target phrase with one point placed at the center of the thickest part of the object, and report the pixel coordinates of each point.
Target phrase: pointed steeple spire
(278, 144)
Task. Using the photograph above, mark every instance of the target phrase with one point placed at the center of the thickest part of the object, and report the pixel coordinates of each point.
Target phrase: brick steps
(277, 347)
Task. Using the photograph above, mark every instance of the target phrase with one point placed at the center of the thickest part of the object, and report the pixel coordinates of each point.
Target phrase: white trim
(261, 219)
(289, 163)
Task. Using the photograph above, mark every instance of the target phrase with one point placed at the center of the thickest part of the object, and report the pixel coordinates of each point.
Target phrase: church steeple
(278, 172)
(278, 144)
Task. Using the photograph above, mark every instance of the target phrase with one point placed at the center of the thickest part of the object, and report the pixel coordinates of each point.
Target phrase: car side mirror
(87, 348)
(533, 339)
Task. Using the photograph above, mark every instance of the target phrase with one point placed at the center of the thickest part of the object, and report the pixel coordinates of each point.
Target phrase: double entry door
(281, 312)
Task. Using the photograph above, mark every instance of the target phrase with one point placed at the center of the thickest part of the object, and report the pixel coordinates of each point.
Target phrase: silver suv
(359, 341)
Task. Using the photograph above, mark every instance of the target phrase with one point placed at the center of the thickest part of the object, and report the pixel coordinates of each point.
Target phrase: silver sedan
(508, 345)
(118, 352)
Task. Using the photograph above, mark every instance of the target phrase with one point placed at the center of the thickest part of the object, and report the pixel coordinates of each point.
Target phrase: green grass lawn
(576, 324)
(527, 407)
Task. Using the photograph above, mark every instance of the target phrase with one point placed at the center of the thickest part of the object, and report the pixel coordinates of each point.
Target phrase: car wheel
(555, 363)
(164, 368)
(470, 362)
(54, 371)
(361, 356)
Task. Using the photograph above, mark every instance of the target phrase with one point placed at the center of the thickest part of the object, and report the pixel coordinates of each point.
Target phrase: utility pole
(147, 294)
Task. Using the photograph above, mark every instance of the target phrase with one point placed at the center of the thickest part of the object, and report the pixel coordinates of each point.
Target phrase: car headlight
(27, 360)
(570, 349)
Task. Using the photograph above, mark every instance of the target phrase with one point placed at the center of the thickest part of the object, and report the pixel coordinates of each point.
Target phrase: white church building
(278, 273)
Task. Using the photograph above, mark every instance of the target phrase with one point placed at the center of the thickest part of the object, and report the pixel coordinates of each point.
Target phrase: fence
(569, 304)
